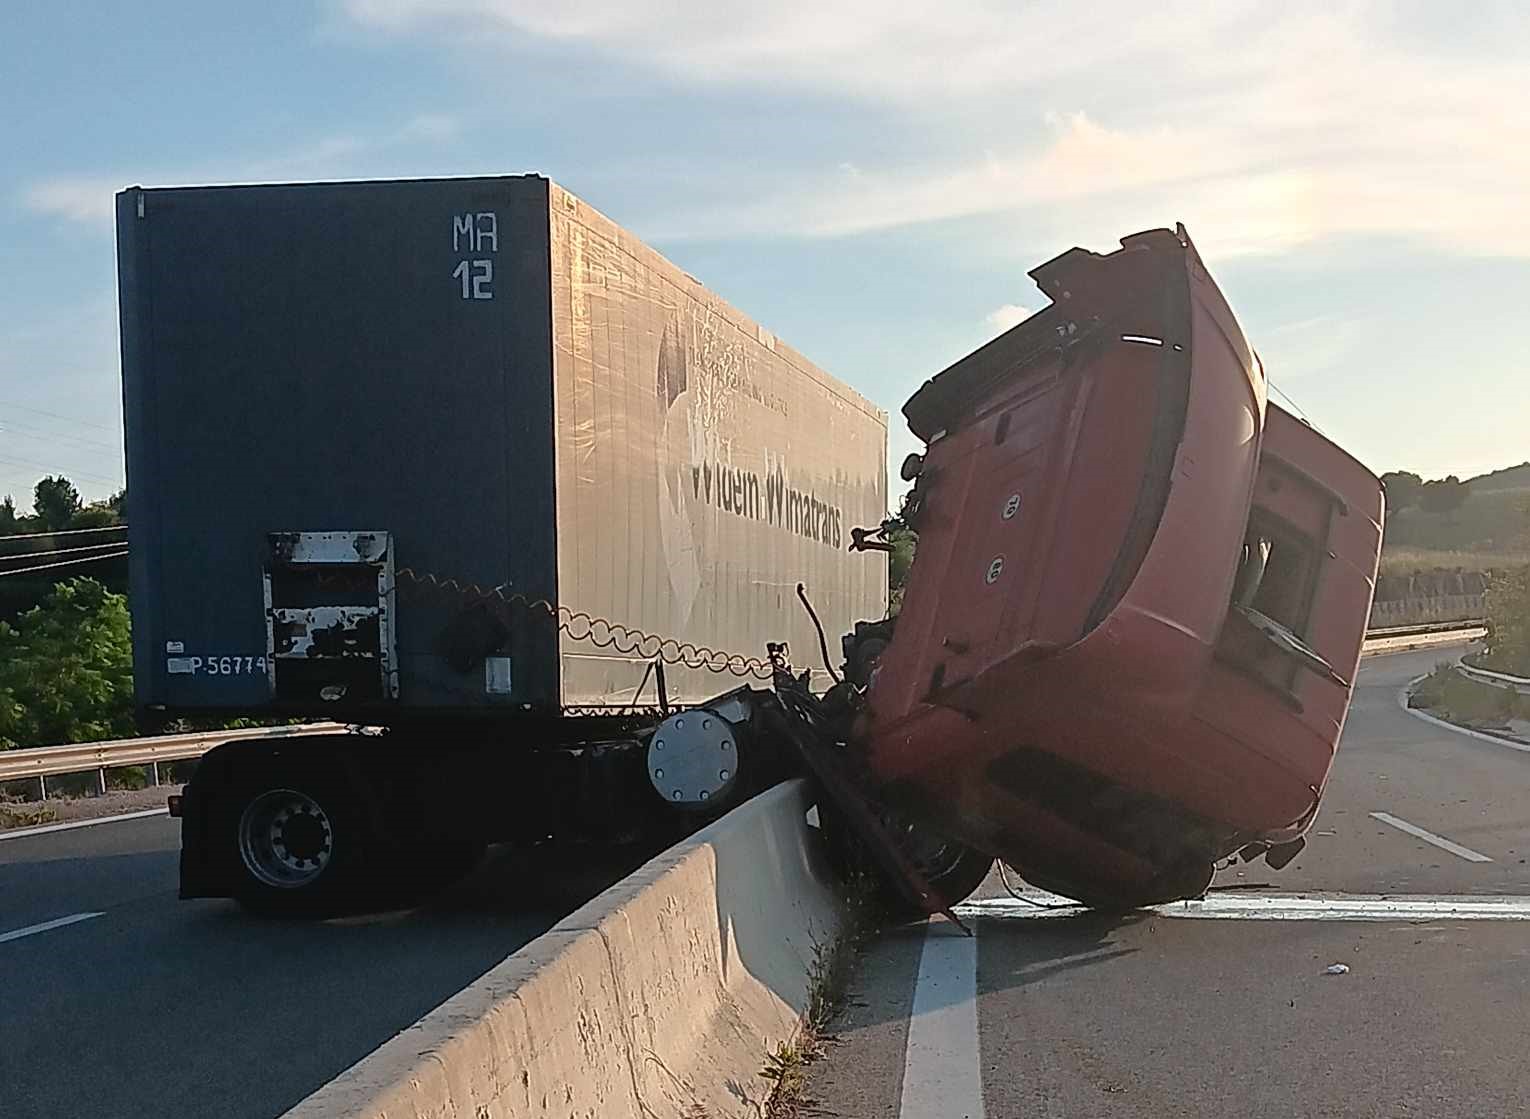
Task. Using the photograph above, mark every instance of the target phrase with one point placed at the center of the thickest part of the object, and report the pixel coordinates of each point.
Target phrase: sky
(870, 180)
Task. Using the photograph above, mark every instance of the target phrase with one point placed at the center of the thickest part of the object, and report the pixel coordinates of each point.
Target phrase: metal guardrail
(1402, 641)
(41, 762)
(1428, 627)
(1507, 680)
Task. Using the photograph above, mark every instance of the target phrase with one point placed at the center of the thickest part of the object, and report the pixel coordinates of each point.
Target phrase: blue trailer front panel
(363, 357)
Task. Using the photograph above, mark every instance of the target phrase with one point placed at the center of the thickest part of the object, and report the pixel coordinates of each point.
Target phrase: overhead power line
(31, 431)
(57, 416)
(62, 563)
(117, 481)
(1295, 407)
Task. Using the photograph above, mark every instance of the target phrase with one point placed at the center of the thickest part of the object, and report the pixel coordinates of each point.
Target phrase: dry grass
(828, 981)
(1471, 703)
(25, 814)
(1405, 560)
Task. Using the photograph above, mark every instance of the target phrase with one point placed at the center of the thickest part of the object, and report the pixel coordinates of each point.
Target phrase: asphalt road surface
(1048, 1013)
(145, 1005)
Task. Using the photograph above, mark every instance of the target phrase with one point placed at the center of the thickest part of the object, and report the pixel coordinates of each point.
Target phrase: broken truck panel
(329, 603)
(1129, 635)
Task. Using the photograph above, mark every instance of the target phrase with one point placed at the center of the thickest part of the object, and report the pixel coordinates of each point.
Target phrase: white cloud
(82, 199)
(885, 49)
(90, 199)
(1262, 128)
(1011, 314)
(1320, 344)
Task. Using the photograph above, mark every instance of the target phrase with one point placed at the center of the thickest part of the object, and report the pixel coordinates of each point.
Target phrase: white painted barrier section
(1405, 643)
(659, 999)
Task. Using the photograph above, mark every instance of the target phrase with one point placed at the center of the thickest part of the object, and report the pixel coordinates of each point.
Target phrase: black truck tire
(298, 840)
(1186, 879)
(959, 874)
(953, 870)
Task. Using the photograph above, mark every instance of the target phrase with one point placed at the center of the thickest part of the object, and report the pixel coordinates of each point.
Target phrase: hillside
(1494, 521)
(1509, 478)
(1489, 530)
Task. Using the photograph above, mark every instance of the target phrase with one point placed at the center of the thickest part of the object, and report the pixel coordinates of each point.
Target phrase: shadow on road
(1031, 951)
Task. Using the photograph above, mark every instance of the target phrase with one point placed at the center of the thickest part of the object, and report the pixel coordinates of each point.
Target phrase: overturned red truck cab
(1131, 628)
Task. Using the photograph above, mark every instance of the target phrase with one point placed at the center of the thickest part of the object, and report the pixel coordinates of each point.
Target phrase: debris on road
(1336, 969)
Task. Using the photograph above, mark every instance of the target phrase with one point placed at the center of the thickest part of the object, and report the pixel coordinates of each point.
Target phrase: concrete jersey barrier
(660, 998)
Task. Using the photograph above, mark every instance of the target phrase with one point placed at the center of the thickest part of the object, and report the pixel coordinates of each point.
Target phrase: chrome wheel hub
(285, 839)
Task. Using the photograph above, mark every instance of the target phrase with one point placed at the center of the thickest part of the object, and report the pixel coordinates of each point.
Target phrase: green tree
(1444, 495)
(56, 502)
(1508, 620)
(66, 669)
(95, 515)
(1402, 487)
(900, 559)
(7, 515)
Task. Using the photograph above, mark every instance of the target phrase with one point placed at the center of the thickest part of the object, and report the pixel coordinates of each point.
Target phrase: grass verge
(16, 813)
(828, 980)
(1448, 695)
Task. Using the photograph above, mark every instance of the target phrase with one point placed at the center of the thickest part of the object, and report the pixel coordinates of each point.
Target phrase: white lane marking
(1429, 837)
(942, 1072)
(1291, 907)
(56, 923)
(1402, 701)
(22, 833)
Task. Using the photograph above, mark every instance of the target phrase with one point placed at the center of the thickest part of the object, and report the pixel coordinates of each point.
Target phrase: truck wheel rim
(285, 839)
(934, 855)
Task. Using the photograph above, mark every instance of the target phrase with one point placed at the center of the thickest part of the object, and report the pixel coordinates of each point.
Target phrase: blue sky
(871, 180)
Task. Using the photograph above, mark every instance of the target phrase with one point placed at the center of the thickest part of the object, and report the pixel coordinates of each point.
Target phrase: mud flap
(839, 785)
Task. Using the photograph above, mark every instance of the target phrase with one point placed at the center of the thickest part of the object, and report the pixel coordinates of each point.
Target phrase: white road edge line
(1429, 837)
(942, 1069)
(56, 923)
(1402, 701)
(44, 829)
(1319, 906)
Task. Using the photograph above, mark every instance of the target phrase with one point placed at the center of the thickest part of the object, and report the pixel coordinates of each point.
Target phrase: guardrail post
(42, 787)
(101, 781)
(154, 774)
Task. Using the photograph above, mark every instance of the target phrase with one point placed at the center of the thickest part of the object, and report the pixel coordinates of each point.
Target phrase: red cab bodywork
(1131, 628)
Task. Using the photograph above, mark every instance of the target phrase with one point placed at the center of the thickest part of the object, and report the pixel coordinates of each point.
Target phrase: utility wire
(117, 481)
(62, 563)
(1295, 407)
(27, 431)
(56, 415)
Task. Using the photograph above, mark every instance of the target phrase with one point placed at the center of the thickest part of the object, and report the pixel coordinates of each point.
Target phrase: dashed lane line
(1429, 837)
(46, 926)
